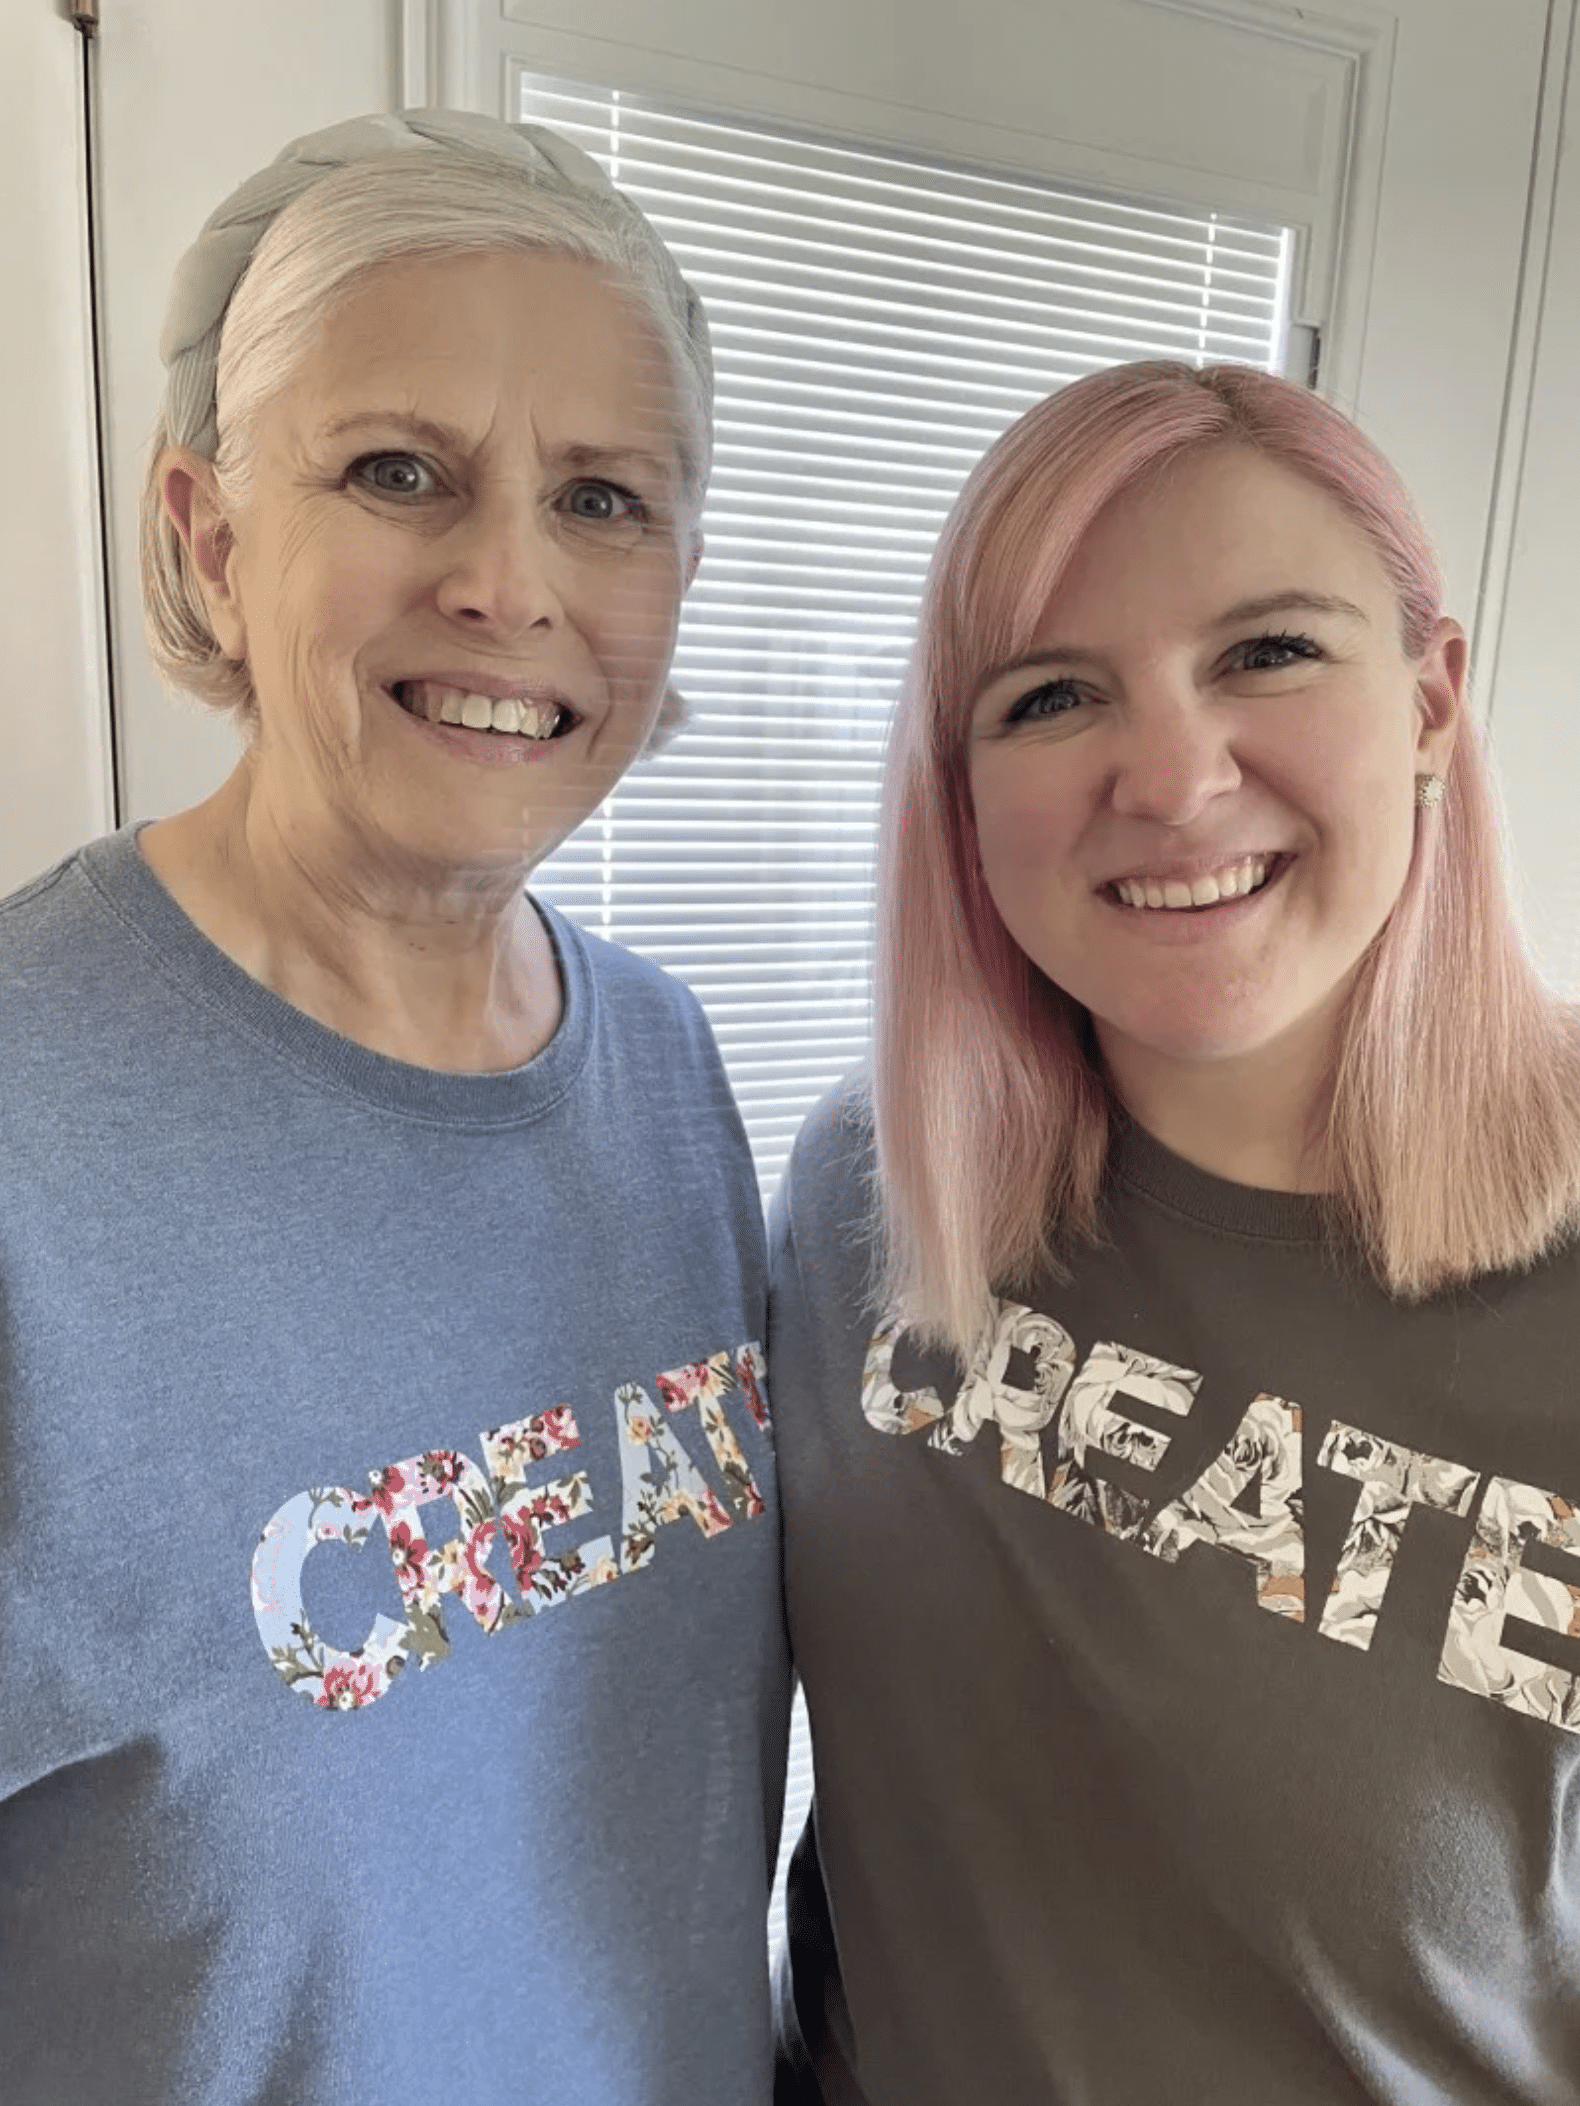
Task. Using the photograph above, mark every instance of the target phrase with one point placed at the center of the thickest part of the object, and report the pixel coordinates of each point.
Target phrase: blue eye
(1269, 654)
(394, 475)
(601, 502)
(1050, 698)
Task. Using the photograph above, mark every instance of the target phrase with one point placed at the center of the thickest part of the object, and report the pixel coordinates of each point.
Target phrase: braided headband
(211, 269)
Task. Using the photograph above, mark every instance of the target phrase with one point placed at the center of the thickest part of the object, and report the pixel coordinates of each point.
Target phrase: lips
(531, 715)
(1173, 893)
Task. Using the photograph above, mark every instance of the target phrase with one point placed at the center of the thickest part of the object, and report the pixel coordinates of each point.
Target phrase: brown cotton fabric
(1193, 1695)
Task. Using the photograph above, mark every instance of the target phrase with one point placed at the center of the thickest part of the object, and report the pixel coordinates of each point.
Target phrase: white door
(1398, 139)
(194, 96)
(55, 774)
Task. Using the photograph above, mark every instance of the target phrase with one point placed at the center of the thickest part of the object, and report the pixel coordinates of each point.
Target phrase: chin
(463, 842)
(1199, 1039)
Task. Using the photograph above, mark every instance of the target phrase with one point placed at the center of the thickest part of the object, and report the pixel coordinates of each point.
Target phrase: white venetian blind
(877, 321)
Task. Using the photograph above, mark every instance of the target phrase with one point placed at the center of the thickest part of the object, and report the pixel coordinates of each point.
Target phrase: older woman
(353, 1202)
(1182, 1551)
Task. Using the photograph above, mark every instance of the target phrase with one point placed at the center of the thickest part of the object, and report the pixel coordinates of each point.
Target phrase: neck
(441, 967)
(1256, 1119)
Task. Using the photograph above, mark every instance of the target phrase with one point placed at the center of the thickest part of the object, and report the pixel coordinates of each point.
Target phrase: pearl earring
(1429, 792)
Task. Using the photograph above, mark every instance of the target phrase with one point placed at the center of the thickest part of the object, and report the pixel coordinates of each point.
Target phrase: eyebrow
(580, 456)
(1253, 610)
(584, 456)
(1290, 603)
(396, 420)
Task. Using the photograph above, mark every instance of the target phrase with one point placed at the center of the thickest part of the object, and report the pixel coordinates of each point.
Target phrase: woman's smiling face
(1194, 803)
(468, 502)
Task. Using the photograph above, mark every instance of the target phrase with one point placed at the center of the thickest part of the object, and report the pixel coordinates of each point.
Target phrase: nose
(1174, 756)
(501, 567)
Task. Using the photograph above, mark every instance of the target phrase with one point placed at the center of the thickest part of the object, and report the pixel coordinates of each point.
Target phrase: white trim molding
(1536, 256)
(1333, 283)
(440, 51)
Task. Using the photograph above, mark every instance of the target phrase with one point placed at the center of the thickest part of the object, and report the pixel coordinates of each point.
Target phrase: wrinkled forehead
(490, 342)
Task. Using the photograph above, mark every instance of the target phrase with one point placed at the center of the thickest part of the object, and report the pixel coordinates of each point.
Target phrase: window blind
(877, 321)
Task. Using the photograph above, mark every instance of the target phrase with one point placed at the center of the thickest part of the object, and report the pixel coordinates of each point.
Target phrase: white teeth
(1234, 882)
(531, 718)
(538, 719)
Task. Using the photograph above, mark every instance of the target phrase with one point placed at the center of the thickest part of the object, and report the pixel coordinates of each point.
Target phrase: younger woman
(1182, 1561)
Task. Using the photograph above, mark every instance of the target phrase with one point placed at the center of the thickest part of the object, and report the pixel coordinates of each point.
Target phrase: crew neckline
(124, 879)
(1146, 1167)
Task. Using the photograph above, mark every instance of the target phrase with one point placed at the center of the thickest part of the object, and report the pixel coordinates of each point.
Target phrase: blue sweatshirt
(392, 1673)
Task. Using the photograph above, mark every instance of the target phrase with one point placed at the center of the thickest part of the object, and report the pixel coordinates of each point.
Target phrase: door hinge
(84, 15)
(1303, 358)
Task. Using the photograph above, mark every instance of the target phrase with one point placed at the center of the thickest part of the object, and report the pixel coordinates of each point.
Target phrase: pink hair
(1454, 1130)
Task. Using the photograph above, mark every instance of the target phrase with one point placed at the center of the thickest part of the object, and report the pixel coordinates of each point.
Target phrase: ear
(1440, 696)
(190, 493)
(693, 558)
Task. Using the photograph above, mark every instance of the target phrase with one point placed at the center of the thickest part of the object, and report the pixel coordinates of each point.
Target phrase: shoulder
(34, 915)
(824, 1249)
(833, 1161)
(56, 938)
(69, 986)
(825, 1215)
(650, 1074)
(631, 988)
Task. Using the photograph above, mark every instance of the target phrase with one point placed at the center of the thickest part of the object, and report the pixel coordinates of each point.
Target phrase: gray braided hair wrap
(209, 272)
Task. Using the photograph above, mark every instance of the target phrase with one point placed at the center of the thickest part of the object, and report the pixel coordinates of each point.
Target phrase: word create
(1249, 1499)
(660, 1484)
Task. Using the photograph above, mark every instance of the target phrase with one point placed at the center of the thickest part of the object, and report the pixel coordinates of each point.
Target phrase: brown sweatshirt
(1195, 1708)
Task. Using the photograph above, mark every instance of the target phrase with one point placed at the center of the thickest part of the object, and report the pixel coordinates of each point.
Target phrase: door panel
(195, 97)
(55, 718)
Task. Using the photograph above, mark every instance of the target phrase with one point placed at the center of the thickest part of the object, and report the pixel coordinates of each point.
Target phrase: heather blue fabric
(242, 1258)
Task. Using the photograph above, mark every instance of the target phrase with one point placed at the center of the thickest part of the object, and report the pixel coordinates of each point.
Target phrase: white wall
(1535, 704)
(54, 720)
(231, 80)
